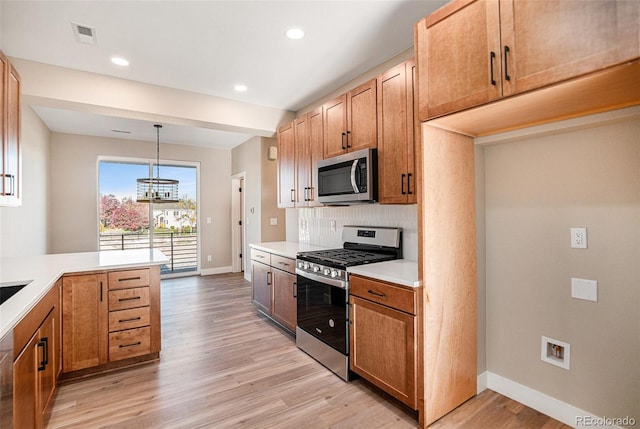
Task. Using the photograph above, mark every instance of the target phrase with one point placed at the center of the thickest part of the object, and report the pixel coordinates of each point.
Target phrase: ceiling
(207, 47)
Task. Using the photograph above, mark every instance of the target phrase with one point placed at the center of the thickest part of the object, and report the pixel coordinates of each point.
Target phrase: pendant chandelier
(157, 190)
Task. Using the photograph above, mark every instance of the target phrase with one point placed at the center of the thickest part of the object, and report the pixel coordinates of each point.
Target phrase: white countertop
(288, 249)
(44, 270)
(400, 271)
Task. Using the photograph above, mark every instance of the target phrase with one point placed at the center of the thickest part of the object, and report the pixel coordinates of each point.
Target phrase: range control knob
(334, 273)
(326, 271)
(316, 268)
(306, 265)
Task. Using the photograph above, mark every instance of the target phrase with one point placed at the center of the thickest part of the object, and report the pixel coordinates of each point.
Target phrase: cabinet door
(25, 386)
(362, 118)
(414, 135)
(284, 308)
(4, 181)
(48, 339)
(551, 41)
(303, 161)
(335, 126)
(458, 56)
(10, 163)
(393, 136)
(85, 317)
(316, 147)
(261, 286)
(286, 166)
(383, 348)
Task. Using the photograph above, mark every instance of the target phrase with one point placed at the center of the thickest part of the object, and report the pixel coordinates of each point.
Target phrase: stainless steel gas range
(323, 291)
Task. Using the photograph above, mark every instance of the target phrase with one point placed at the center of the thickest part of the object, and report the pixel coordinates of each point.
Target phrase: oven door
(323, 310)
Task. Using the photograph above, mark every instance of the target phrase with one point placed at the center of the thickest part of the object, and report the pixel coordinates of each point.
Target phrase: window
(127, 224)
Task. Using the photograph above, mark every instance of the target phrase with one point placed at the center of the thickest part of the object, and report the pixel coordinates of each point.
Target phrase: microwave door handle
(354, 167)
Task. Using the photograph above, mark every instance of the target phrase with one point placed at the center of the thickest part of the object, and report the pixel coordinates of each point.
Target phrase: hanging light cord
(158, 126)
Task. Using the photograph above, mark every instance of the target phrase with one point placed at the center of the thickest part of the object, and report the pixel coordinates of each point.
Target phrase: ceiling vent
(84, 33)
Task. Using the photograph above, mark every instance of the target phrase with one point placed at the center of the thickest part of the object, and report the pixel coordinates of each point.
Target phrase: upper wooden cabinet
(286, 166)
(350, 121)
(397, 136)
(470, 52)
(10, 150)
(308, 144)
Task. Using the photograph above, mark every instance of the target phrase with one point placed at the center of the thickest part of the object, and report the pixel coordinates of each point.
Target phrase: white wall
(537, 188)
(74, 191)
(24, 229)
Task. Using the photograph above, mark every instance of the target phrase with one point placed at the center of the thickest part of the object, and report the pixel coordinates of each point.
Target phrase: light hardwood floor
(223, 365)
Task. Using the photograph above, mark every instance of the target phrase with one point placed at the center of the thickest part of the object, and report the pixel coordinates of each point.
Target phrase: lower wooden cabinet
(383, 336)
(36, 367)
(273, 285)
(110, 317)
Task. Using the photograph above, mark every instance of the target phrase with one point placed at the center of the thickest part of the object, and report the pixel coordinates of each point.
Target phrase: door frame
(238, 234)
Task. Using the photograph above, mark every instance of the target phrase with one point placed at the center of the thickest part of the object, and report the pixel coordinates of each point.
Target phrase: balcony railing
(180, 247)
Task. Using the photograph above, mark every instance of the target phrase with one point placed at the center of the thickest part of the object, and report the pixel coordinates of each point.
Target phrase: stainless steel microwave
(348, 179)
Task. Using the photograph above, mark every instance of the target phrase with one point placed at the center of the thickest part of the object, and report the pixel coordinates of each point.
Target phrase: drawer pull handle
(130, 345)
(283, 263)
(129, 279)
(133, 298)
(129, 320)
(381, 295)
(260, 256)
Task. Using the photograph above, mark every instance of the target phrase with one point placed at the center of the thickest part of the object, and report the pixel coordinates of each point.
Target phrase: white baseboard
(561, 411)
(219, 270)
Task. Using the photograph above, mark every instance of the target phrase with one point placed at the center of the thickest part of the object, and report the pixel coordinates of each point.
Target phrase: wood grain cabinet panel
(383, 346)
(85, 323)
(36, 368)
(350, 121)
(10, 147)
(123, 299)
(284, 306)
(397, 136)
(129, 343)
(286, 166)
(470, 52)
(128, 279)
(261, 286)
(308, 143)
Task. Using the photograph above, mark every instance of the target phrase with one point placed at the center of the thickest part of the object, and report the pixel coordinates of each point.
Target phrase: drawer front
(123, 299)
(284, 264)
(397, 297)
(129, 343)
(128, 279)
(260, 256)
(128, 319)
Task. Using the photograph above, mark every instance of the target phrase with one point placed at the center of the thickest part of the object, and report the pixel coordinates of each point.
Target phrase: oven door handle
(333, 282)
(354, 167)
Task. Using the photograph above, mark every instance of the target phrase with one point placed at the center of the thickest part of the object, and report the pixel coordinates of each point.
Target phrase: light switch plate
(584, 289)
(274, 221)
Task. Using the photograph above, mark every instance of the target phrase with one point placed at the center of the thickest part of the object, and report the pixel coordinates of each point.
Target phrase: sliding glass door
(127, 224)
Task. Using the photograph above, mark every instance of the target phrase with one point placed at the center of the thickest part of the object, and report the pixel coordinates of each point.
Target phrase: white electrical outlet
(578, 238)
(273, 221)
(333, 225)
(208, 258)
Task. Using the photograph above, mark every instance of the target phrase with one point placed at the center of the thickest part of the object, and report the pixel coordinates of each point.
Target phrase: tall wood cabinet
(37, 364)
(286, 166)
(110, 317)
(309, 146)
(10, 149)
(473, 52)
(397, 136)
(350, 121)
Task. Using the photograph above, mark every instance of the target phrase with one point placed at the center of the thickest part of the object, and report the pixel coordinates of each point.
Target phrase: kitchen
(502, 357)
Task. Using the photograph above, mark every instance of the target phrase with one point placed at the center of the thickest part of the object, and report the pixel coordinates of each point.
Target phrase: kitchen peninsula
(76, 314)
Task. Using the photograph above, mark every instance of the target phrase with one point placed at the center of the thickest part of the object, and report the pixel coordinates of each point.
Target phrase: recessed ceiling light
(294, 33)
(119, 61)
(240, 88)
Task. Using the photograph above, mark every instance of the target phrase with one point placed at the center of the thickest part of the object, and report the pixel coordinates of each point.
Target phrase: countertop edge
(44, 285)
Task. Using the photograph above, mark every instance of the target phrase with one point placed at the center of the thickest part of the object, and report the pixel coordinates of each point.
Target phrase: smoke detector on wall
(84, 33)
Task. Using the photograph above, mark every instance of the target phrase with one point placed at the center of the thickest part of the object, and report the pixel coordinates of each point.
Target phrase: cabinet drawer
(397, 297)
(284, 264)
(128, 279)
(129, 343)
(122, 299)
(127, 319)
(260, 256)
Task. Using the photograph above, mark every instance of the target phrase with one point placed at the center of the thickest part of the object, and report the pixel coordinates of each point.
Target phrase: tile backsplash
(322, 226)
